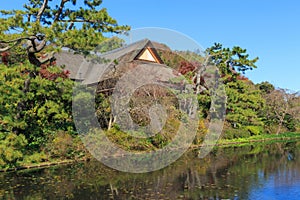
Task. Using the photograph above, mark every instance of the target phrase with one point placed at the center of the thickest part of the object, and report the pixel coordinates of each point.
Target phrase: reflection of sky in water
(281, 185)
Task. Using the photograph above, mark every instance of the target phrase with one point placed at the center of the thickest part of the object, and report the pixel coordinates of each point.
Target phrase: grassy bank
(261, 139)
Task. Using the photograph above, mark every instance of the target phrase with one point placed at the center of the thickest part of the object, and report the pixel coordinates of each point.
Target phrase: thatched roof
(70, 62)
(90, 70)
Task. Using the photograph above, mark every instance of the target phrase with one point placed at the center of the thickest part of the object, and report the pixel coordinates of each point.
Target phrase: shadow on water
(251, 172)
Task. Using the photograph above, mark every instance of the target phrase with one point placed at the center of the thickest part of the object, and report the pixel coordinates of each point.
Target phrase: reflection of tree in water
(224, 173)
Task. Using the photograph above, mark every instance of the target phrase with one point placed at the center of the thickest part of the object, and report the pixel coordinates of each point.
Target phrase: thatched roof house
(110, 66)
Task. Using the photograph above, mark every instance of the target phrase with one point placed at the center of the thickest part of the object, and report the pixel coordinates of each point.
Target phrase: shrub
(64, 146)
(36, 157)
(255, 130)
(11, 149)
(232, 133)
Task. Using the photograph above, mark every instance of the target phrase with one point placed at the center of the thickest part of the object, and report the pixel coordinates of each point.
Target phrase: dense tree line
(252, 109)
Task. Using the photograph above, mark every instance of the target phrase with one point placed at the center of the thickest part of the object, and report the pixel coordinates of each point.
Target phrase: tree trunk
(279, 127)
(281, 119)
(198, 82)
(112, 120)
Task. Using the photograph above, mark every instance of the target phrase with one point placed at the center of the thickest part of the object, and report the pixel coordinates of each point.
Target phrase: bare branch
(41, 11)
(62, 4)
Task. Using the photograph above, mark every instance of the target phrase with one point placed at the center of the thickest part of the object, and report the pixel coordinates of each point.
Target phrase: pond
(265, 171)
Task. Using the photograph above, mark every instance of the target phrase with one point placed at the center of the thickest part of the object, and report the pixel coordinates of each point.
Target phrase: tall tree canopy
(230, 61)
(55, 24)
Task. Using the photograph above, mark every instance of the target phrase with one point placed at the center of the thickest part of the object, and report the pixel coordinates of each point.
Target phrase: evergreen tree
(47, 23)
(35, 96)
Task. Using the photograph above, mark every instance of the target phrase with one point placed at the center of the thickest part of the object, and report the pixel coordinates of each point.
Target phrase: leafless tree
(280, 103)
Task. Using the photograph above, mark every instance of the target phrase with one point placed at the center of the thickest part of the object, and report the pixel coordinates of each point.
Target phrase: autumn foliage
(5, 58)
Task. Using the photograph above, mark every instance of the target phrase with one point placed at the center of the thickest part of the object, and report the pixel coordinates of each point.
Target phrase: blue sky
(269, 29)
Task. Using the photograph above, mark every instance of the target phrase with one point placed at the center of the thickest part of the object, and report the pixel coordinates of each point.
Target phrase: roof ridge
(146, 40)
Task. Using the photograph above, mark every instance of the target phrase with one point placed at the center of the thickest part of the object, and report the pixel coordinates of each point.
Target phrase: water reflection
(251, 172)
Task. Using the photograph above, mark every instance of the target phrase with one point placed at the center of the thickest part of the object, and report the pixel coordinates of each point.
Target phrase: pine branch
(15, 41)
(62, 4)
(41, 11)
